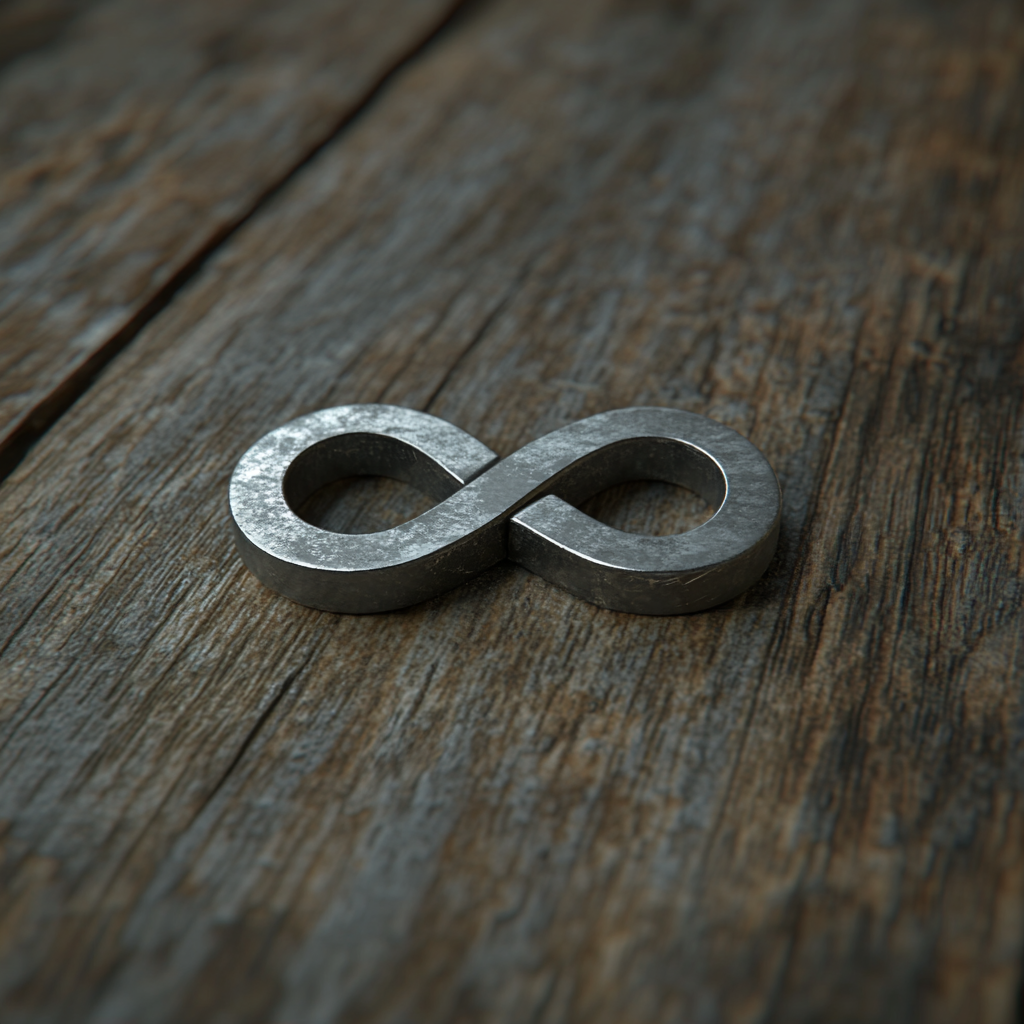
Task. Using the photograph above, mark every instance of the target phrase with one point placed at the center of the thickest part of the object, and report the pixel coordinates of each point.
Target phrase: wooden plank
(506, 804)
(134, 136)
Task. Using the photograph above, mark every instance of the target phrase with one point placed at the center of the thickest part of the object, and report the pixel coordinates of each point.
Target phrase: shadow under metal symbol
(520, 507)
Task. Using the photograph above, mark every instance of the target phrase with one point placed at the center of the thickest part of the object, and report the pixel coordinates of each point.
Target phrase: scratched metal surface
(498, 510)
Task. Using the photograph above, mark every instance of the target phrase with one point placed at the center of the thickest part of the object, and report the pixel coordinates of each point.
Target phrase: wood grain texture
(507, 805)
(134, 135)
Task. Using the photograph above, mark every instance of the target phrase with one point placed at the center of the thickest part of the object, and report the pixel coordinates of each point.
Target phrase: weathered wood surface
(134, 135)
(508, 805)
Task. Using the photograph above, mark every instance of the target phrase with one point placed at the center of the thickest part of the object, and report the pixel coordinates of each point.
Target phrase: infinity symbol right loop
(520, 507)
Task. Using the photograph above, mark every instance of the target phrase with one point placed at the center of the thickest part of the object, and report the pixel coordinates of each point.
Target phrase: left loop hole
(363, 504)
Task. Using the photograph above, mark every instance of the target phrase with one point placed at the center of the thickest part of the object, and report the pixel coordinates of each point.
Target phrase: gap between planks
(39, 419)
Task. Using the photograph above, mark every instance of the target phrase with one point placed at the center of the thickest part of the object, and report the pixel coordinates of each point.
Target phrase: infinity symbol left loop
(520, 507)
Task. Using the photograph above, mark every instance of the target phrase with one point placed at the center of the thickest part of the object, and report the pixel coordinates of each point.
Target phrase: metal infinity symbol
(520, 507)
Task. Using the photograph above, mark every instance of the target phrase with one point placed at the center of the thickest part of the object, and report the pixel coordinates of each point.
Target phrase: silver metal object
(520, 507)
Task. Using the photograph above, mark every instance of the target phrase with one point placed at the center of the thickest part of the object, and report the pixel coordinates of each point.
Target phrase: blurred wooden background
(804, 218)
